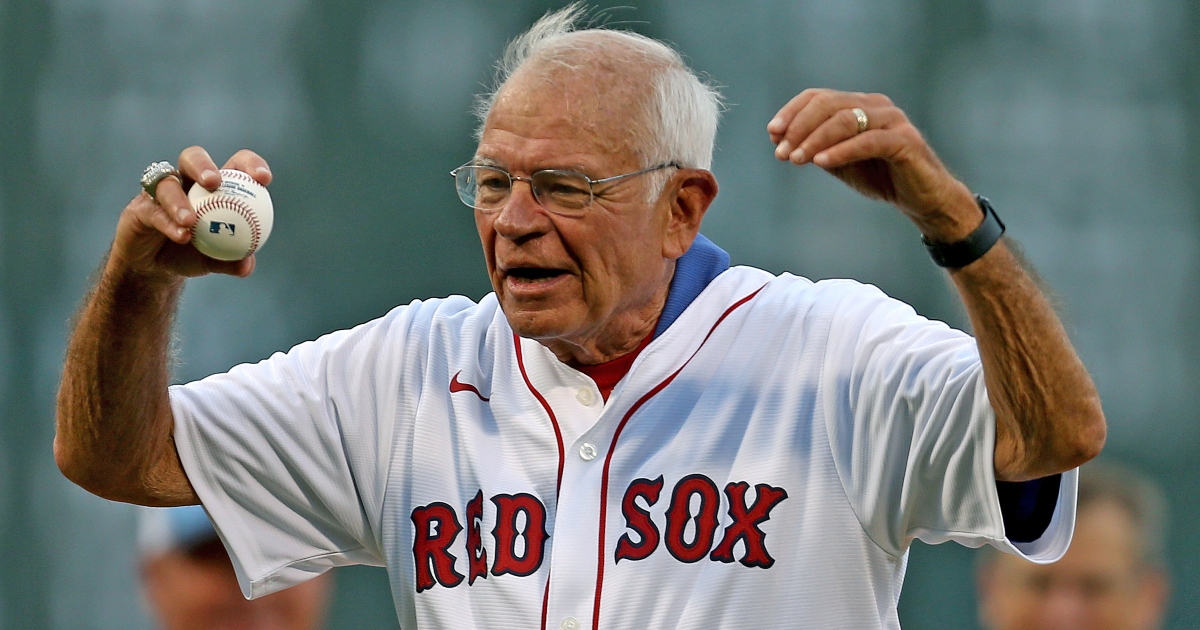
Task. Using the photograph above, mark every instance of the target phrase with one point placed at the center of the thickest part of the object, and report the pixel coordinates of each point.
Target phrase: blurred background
(1078, 118)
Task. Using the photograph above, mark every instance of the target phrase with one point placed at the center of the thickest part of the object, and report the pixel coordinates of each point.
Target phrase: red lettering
(436, 527)
(638, 520)
(476, 555)
(679, 515)
(745, 524)
(508, 507)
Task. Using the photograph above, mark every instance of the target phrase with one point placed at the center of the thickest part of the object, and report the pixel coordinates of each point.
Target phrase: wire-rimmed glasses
(569, 193)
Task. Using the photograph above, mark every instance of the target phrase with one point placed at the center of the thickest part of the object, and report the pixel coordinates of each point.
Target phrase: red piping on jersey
(558, 438)
(613, 447)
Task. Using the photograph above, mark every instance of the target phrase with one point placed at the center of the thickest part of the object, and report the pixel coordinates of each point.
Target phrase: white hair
(681, 116)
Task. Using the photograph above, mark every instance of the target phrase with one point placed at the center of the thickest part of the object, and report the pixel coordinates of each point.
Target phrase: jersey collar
(703, 262)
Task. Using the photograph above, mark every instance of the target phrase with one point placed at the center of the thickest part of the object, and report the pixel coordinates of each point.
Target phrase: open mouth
(534, 274)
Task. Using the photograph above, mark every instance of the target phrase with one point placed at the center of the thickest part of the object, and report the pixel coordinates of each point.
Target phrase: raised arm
(1048, 415)
(114, 421)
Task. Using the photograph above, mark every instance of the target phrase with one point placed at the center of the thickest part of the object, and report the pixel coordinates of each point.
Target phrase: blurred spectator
(1113, 576)
(189, 582)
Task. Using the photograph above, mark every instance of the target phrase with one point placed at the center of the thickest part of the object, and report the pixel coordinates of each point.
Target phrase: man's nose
(521, 215)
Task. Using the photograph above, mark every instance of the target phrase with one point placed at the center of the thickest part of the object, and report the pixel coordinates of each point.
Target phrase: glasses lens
(482, 187)
(562, 191)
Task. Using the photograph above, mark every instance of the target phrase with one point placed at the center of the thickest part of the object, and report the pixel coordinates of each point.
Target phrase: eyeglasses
(569, 193)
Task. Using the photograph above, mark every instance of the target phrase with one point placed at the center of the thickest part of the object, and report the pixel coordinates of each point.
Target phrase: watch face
(988, 211)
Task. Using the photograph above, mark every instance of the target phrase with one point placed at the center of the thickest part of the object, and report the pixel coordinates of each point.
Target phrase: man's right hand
(114, 431)
(153, 238)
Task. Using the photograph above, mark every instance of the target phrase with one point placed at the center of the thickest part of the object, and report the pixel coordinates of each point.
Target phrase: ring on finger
(154, 174)
(861, 117)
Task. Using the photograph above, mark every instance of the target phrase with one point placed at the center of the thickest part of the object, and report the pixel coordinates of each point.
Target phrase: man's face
(198, 590)
(1098, 585)
(564, 280)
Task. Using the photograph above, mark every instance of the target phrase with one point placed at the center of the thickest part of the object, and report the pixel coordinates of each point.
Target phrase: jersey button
(585, 396)
(588, 453)
(569, 623)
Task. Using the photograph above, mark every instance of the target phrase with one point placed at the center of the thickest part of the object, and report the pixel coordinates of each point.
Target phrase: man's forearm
(1048, 413)
(114, 421)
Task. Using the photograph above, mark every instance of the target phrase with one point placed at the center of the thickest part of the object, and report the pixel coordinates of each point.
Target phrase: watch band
(975, 245)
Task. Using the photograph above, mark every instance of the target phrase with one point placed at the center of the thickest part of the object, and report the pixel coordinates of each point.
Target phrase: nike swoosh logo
(458, 386)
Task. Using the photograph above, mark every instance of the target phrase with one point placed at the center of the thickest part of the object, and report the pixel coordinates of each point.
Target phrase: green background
(1078, 118)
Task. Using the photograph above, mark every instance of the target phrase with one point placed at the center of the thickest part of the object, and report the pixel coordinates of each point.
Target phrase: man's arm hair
(114, 421)
(1048, 413)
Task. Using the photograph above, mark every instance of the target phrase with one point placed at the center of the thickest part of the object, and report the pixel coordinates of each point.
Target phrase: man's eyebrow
(483, 161)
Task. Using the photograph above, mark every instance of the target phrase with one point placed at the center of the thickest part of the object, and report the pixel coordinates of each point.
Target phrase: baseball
(234, 220)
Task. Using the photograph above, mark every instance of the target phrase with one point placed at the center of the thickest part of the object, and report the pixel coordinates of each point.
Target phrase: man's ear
(691, 192)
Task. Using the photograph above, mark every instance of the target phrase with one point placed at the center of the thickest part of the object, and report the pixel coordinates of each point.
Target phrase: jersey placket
(587, 426)
(572, 597)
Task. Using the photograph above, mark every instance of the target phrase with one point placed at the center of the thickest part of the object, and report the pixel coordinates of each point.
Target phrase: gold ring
(861, 117)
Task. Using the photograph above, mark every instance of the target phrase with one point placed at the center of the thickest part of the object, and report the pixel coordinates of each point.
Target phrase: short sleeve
(289, 455)
(913, 433)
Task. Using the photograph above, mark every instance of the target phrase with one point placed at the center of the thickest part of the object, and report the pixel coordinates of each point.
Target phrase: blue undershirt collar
(697, 267)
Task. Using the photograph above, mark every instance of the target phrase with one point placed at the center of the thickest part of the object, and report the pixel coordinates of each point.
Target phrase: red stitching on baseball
(237, 206)
(239, 175)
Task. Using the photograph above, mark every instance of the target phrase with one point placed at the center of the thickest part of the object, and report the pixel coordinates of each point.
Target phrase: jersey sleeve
(289, 455)
(913, 433)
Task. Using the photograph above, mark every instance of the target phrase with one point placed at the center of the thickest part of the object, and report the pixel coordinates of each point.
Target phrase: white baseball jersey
(765, 463)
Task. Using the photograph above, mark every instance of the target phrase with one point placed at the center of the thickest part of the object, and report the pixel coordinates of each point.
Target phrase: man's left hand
(888, 160)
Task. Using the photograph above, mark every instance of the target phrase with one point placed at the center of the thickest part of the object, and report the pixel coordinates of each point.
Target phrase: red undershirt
(608, 374)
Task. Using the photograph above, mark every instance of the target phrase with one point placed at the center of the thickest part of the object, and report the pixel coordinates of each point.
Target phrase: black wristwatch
(975, 245)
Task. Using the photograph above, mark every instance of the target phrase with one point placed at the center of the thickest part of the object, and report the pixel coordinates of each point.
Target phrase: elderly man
(628, 432)
(1113, 577)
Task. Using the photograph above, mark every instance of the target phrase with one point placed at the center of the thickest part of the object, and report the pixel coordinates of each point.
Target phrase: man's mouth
(534, 274)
